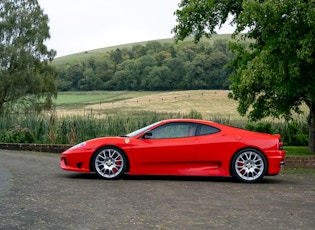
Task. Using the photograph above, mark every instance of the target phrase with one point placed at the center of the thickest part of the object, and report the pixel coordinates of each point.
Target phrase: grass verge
(295, 151)
(298, 171)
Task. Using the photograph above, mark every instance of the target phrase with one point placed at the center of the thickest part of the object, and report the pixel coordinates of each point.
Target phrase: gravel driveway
(36, 194)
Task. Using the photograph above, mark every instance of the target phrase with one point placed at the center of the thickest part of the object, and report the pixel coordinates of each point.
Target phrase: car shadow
(93, 176)
(179, 178)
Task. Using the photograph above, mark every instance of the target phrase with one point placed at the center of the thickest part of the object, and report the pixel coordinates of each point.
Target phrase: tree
(116, 57)
(275, 73)
(26, 75)
(158, 78)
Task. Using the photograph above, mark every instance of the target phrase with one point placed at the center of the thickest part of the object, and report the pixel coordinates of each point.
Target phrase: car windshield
(137, 132)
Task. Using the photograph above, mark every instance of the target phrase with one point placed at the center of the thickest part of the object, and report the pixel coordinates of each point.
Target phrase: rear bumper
(276, 162)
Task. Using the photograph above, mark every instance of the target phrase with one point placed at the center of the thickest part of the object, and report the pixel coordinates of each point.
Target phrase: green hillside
(90, 53)
(159, 65)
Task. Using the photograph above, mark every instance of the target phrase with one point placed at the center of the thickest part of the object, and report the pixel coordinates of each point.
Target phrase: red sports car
(180, 147)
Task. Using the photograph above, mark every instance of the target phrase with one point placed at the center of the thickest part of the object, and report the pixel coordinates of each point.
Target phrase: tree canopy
(27, 80)
(275, 74)
(151, 66)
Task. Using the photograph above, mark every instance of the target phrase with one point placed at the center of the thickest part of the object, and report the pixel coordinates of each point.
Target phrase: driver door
(170, 150)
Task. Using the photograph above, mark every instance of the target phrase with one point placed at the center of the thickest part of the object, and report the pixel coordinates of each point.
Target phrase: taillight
(280, 145)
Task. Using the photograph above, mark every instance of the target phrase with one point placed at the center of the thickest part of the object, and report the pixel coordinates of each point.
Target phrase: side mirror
(147, 133)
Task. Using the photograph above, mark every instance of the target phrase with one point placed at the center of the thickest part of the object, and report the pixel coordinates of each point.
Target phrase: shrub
(260, 127)
(17, 135)
(294, 136)
(193, 114)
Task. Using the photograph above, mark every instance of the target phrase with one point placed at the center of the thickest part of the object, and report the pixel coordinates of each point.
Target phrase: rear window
(206, 129)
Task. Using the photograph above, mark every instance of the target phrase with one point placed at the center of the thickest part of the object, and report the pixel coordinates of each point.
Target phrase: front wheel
(109, 163)
(249, 166)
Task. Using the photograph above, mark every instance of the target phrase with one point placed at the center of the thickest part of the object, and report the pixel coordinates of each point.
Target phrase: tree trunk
(311, 127)
(1, 107)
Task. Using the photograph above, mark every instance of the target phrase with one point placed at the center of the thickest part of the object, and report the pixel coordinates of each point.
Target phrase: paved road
(36, 194)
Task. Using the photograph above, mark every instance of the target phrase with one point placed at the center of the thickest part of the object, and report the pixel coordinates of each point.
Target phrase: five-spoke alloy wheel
(109, 163)
(249, 165)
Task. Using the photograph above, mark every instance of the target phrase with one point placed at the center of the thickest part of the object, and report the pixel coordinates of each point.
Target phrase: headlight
(82, 144)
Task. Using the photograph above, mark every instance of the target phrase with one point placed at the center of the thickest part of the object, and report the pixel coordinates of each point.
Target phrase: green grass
(94, 97)
(297, 151)
(82, 97)
(297, 171)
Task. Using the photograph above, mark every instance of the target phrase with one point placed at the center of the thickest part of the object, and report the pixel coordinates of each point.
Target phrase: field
(209, 103)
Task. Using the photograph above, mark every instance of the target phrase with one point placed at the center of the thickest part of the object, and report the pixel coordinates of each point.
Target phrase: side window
(174, 130)
(206, 129)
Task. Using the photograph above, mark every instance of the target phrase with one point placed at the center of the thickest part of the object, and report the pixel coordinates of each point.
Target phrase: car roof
(188, 120)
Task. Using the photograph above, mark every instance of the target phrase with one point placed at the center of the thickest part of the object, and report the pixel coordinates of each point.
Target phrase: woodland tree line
(151, 66)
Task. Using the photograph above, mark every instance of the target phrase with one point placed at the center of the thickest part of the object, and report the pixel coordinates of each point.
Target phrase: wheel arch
(108, 146)
(243, 149)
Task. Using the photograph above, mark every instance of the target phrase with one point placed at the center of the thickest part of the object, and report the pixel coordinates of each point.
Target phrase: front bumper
(72, 162)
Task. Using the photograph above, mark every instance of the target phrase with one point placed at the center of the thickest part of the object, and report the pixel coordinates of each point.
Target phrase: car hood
(93, 144)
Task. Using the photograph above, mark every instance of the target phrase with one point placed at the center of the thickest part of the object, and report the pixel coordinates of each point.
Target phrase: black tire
(249, 165)
(109, 163)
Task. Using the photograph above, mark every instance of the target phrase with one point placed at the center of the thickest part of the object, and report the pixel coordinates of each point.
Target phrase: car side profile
(187, 147)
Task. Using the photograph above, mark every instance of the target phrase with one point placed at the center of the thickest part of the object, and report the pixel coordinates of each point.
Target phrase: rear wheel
(109, 163)
(249, 165)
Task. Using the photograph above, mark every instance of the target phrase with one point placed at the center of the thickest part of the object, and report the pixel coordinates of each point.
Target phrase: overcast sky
(81, 25)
